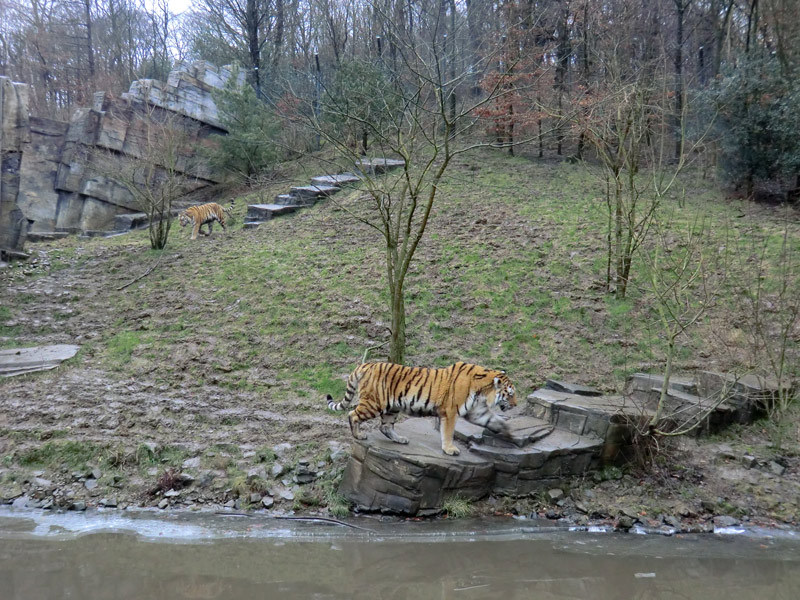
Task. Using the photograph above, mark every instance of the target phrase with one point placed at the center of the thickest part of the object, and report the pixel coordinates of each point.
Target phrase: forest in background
(550, 68)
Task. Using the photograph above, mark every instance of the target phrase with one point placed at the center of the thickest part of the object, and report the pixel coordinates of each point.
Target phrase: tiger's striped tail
(350, 393)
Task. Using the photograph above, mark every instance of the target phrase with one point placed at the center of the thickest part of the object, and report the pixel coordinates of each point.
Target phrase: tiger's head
(505, 397)
(184, 219)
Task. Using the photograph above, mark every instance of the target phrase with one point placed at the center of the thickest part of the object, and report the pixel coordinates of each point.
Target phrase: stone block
(378, 166)
(265, 212)
(571, 388)
(335, 180)
(313, 192)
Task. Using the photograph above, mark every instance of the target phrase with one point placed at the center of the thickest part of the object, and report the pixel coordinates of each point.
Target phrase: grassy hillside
(234, 339)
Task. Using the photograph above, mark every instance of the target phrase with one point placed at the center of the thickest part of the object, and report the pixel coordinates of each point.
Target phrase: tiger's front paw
(360, 435)
(451, 450)
(401, 440)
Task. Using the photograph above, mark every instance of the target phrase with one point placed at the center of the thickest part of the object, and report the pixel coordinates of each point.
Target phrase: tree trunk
(397, 342)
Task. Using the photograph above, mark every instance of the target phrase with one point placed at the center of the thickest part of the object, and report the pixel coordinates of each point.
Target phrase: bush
(759, 117)
(250, 148)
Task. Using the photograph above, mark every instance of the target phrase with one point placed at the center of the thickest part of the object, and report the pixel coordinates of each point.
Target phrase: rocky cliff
(59, 176)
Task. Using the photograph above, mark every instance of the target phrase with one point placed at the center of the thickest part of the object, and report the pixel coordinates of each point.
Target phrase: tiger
(460, 390)
(202, 215)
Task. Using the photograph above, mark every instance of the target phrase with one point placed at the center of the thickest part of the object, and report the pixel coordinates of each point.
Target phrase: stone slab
(377, 166)
(46, 236)
(265, 212)
(646, 382)
(17, 361)
(314, 191)
(571, 388)
(251, 224)
(336, 180)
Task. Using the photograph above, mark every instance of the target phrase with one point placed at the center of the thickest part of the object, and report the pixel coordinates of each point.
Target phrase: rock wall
(59, 176)
(14, 134)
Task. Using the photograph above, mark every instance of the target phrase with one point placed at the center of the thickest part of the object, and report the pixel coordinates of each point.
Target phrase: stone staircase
(322, 186)
(562, 431)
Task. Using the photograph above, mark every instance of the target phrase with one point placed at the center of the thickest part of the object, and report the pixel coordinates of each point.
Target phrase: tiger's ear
(497, 383)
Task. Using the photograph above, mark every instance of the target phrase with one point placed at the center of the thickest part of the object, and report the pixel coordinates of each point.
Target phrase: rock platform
(561, 432)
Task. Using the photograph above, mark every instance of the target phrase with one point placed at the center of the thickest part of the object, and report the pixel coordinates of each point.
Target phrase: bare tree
(408, 113)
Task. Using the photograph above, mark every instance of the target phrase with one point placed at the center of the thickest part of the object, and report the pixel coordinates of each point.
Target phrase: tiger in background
(204, 214)
(460, 390)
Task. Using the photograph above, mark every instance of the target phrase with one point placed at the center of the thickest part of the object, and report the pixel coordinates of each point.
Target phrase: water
(116, 555)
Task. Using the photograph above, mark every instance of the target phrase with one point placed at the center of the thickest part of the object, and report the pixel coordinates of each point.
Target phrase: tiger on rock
(460, 390)
(204, 214)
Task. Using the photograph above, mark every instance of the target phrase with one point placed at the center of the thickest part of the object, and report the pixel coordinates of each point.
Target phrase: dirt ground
(195, 393)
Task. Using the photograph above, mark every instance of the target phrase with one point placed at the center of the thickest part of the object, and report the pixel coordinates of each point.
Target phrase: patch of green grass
(72, 454)
(457, 507)
(121, 346)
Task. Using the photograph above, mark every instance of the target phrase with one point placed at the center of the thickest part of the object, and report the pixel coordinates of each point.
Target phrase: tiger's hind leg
(387, 428)
(363, 412)
(210, 228)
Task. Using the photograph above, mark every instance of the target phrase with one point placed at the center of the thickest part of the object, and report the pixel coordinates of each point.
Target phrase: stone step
(289, 200)
(644, 382)
(377, 166)
(711, 399)
(314, 192)
(251, 224)
(265, 212)
(336, 180)
(418, 477)
(608, 418)
(571, 388)
(46, 236)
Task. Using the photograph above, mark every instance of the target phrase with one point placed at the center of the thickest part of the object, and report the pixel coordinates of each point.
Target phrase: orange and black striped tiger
(202, 215)
(460, 390)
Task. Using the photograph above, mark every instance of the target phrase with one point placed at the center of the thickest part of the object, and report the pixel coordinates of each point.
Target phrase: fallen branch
(143, 275)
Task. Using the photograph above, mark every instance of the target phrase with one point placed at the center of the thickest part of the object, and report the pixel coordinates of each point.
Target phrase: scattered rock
(185, 479)
(286, 494)
(90, 483)
(630, 512)
(282, 450)
(171, 493)
(21, 502)
(97, 473)
(192, 463)
(277, 470)
(42, 483)
(255, 498)
(552, 514)
(725, 521)
(267, 501)
(303, 474)
(776, 468)
(748, 461)
(163, 504)
(673, 521)
(109, 502)
(10, 491)
(624, 522)
(555, 494)
(255, 474)
(78, 506)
